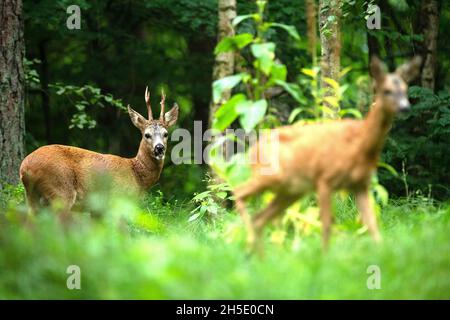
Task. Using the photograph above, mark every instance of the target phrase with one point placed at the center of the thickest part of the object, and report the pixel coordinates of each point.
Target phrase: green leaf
(232, 43)
(201, 196)
(60, 91)
(354, 112)
(333, 83)
(332, 100)
(293, 90)
(389, 168)
(289, 29)
(265, 55)
(227, 83)
(221, 194)
(278, 73)
(381, 194)
(241, 18)
(227, 113)
(237, 170)
(251, 113)
(310, 72)
(263, 50)
(294, 114)
(194, 217)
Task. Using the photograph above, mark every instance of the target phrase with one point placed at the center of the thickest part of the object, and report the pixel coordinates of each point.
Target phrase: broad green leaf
(263, 50)
(201, 196)
(232, 43)
(237, 170)
(265, 55)
(251, 113)
(264, 64)
(221, 194)
(293, 90)
(243, 39)
(241, 18)
(227, 113)
(278, 73)
(289, 29)
(227, 83)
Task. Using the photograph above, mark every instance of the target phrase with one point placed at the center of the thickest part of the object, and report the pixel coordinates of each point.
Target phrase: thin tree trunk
(330, 39)
(311, 24)
(224, 63)
(12, 123)
(430, 28)
(388, 43)
(373, 45)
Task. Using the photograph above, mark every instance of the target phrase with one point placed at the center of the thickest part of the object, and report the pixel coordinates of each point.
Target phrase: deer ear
(411, 69)
(377, 69)
(138, 120)
(171, 116)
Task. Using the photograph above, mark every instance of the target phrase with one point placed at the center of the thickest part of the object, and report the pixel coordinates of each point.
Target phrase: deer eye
(387, 92)
(165, 134)
(147, 135)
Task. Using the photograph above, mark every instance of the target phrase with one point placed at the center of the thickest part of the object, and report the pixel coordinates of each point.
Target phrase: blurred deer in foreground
(64, 173)
(325, 157)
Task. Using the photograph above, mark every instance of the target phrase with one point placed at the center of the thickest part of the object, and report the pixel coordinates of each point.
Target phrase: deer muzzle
(159, 151)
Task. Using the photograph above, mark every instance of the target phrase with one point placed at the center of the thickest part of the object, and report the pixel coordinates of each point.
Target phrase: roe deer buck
(64, 173)
(326, 157)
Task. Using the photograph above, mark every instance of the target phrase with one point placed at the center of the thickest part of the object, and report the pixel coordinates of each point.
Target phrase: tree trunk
(330, 39)
(430, 27)
(311, 24)
(12, 123)
(372, 44)
(224, 63)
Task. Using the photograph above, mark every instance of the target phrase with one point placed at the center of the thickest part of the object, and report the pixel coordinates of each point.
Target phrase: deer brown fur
(65, 173)
(325, 157)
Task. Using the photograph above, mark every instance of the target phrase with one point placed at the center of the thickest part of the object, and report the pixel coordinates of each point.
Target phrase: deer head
(155, 131)
(391, 88)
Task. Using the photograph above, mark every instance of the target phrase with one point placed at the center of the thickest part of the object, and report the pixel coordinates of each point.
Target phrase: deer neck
(146, 168)
(376, 127)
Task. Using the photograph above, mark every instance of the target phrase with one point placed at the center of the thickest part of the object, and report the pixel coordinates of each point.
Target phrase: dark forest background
(125, 45)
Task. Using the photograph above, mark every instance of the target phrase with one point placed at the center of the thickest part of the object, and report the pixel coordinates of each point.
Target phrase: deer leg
(324, 194)
(66, 199)
(276, 207)
(240, 206)
(368, 214)
(32, 201)
(241, 194)
(32, 195)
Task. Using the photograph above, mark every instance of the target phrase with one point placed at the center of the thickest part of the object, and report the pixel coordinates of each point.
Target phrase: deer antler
(163, 99)
(147, 102)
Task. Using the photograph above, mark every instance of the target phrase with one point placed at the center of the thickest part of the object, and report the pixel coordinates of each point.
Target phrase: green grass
(162, 256)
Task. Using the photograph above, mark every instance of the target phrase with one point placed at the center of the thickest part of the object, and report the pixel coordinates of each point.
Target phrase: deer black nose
(159, 148)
